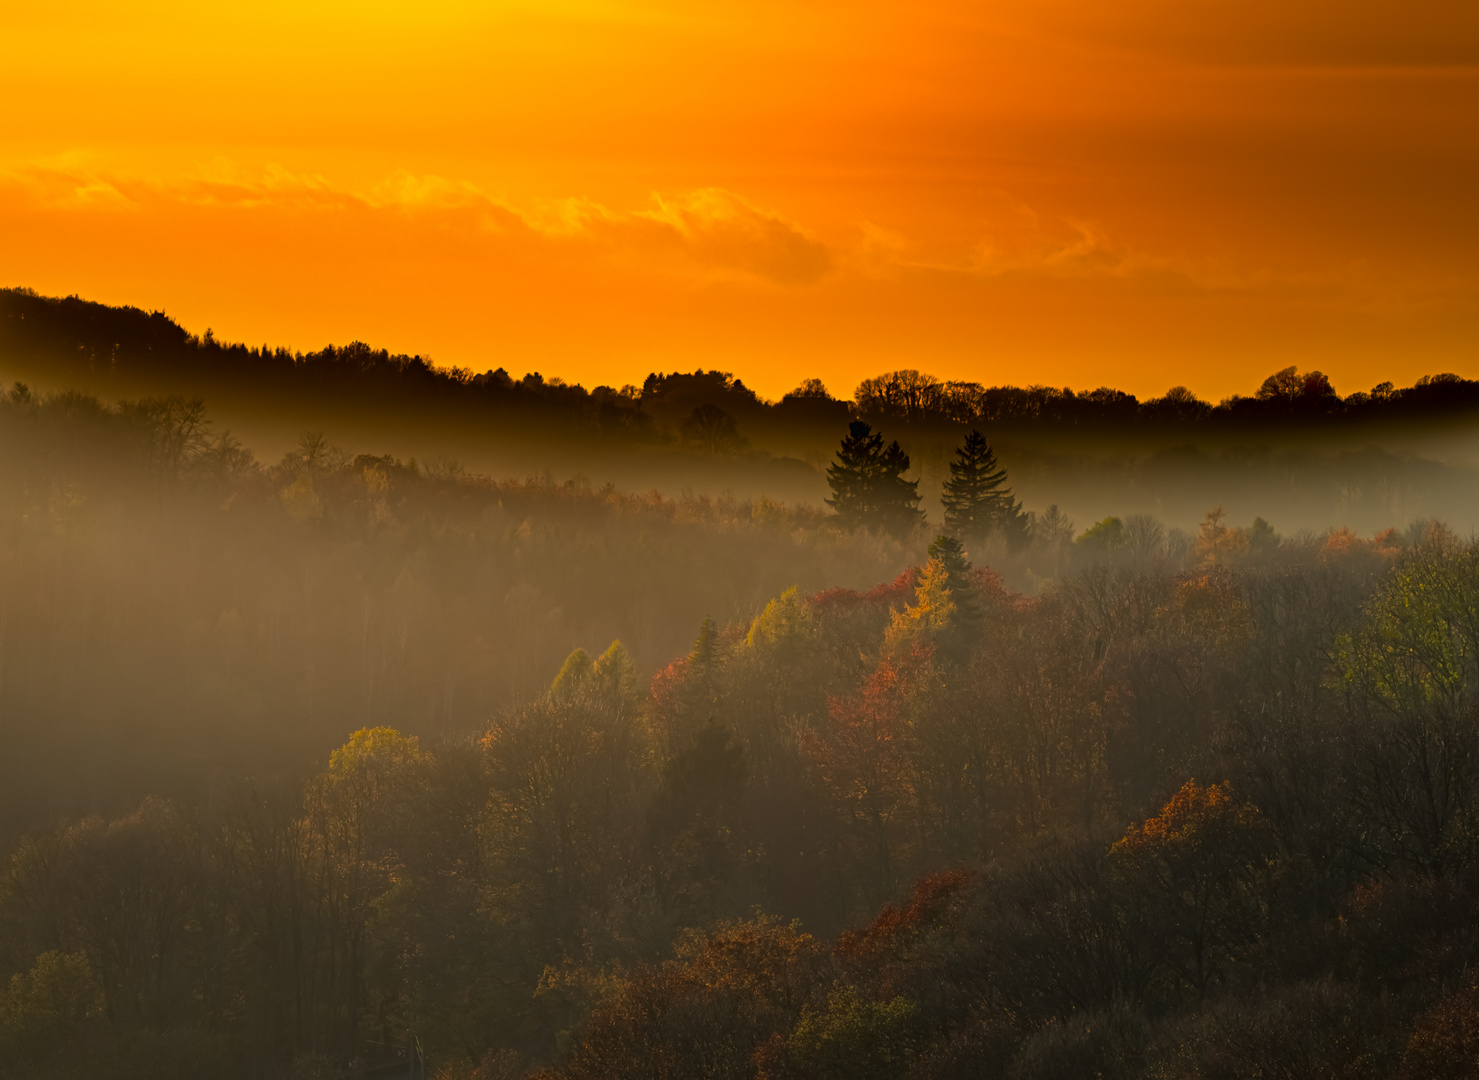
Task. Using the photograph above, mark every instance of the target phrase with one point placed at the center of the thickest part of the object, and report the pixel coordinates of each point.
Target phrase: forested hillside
(168, 604)
(1293, 449)
(1205, 810)
(319, 758)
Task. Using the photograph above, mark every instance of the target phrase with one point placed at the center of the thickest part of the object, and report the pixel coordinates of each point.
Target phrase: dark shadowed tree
(1295, 389)
(977, 500)
(906, 395)
(713, 429)
(1202, 868)
(1178, 406)
(868, 484)
(849, 476)
(810, 388)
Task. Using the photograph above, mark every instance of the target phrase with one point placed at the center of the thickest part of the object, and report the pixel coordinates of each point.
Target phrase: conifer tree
(576, 667)
(617, 672)
(702, 662)
(703, 648)
(976, 498)
(868, 484)
(898, 509)
(850, 476)
(950, 553)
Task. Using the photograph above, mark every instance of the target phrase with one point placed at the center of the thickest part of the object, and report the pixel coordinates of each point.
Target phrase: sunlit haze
(1142, 194)
(639, 540)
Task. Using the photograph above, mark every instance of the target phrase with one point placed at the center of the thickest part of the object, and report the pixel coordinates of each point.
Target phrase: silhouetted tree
(906, 395)
(868, 484)
(713, 429)
(976, 498)
(1291, 388)
(1178, 406)
(810, 388)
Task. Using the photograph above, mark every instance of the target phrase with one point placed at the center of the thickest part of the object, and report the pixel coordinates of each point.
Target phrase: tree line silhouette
(121, 349)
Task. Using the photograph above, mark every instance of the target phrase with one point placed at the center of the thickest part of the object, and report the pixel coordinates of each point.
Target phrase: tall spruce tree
(850, 476)
(976, 498)
(703, 648)
(868, 484)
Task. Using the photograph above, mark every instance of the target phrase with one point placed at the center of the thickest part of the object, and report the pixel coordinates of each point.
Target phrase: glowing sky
(1142, 193)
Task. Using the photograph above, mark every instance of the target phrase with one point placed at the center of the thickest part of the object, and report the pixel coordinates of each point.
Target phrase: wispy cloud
(1011, 239)
(63, 185)
(709, 230)
(721, 229)
(704, 234)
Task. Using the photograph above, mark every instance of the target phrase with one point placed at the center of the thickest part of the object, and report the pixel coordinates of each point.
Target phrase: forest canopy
(1176, 817)
(329, 758)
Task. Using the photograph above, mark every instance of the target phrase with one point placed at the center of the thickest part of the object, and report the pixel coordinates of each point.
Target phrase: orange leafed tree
(861, 760)
(1204, 865)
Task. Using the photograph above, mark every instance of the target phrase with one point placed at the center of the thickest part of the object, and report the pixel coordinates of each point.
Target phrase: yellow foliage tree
(1217, 542)
(932, 612)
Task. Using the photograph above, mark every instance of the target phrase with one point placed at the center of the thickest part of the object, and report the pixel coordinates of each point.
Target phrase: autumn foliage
(932, 829)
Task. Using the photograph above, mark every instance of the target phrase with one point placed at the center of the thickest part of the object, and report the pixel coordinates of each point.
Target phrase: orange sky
(1141, 194)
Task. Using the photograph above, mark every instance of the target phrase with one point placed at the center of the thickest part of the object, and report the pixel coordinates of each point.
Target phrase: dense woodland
(310, 761)
(168, 603)
(1203, 805)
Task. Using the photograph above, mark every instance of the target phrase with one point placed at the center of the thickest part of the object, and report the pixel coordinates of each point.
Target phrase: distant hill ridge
(125, 348)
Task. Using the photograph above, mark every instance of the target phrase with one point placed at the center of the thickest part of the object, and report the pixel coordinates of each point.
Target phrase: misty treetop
(232, 610)
(236, 610)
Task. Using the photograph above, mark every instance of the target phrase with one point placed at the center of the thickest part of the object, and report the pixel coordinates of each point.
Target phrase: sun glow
(1147, 194)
